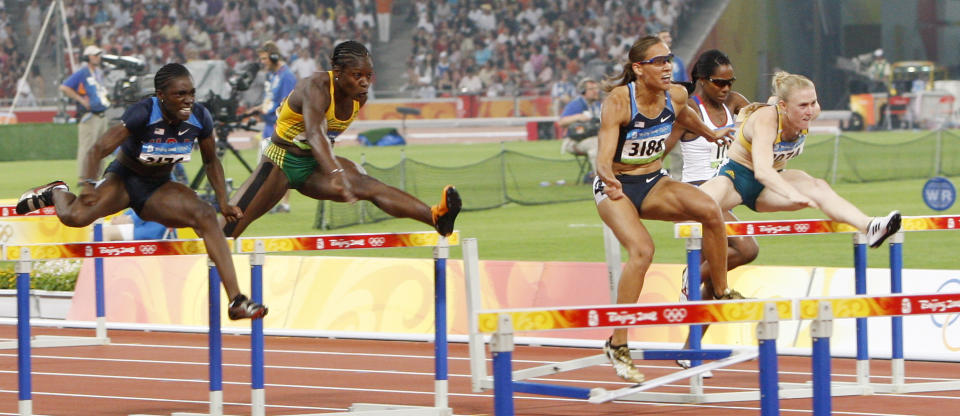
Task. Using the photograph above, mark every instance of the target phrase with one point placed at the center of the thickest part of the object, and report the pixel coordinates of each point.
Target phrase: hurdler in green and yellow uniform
(300, 155)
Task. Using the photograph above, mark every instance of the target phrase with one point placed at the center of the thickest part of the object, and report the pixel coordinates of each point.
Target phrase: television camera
(129, 88)
(226, 118)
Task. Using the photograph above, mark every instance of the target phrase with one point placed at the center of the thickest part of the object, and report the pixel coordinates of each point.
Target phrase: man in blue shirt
(581, 118)
(280, 81)
(86, 87)
(679, 69)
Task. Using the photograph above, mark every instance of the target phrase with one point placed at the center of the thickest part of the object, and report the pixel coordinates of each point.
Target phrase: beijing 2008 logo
(674, 314)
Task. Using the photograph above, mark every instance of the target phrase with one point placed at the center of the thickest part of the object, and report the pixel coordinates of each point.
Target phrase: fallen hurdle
(693, 234)
(257, 247)
(26, 253)
(501, 324)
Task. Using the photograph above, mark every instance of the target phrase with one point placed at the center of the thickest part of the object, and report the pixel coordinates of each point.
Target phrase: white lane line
(153, 399)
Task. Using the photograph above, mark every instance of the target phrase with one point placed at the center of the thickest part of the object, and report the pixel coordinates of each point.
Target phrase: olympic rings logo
(948, 320)
(377, 241)
(148, 249)
(674, 314)
(6, 232)
(802, 228)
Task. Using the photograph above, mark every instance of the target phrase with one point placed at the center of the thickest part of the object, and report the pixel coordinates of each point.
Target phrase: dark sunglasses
(658, 60)
(720, 82)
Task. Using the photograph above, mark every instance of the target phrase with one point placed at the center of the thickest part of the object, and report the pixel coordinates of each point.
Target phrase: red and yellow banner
(11, 211)
(621, 316)
(107, 249)
(865, 306)
(792, 227)
(342, 242)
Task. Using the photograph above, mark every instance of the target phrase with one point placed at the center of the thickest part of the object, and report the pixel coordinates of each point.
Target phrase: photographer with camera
(581, 118)
(86, 87)
(279, 82)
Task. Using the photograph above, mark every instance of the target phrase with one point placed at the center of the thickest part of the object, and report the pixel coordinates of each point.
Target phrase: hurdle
(26, 253)
(693, 233)
(481, 381)
(257, 247)
(501, 324)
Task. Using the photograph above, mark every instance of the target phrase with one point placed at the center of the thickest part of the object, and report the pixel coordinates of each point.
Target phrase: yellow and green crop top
(290, 125)
(783, 151)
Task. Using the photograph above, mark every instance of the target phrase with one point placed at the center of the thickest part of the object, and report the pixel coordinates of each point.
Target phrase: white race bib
(165, 153)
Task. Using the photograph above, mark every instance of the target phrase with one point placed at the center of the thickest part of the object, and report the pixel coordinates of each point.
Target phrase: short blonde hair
(785, 83)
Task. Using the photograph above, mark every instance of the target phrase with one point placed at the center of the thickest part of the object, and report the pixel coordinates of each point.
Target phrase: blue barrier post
(694, 246)
(98, 276)
(440, 254)
(258, 395)
(214, 341)
(860, 276)
(896, 322)
(25, 394)
(820, 330)
(501, 347)
(767, 331)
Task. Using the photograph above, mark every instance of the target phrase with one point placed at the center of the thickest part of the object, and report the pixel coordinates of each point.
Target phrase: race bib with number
(165, 153)
(644, 146)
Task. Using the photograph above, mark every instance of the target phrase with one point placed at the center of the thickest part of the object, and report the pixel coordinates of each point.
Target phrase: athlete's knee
(641, 254)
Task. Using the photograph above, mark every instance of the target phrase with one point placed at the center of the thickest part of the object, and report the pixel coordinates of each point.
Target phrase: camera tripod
(223, 130)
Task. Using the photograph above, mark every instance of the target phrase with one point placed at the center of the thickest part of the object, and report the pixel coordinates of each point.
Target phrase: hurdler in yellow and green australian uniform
(290, 127)
(740, 166)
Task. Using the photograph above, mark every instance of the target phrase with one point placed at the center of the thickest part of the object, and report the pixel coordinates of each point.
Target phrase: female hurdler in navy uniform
(637, 117)
(153, 135)
(300, 155)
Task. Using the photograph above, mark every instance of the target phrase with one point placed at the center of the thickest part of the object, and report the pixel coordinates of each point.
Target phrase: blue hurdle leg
(860, 274)
(767, 331)
(440, 254)
(98, 276)
(257, 394)
(501, 346)
(896, 322)
(24, 381)
(693, 290)
(820, 330)
(214, 338)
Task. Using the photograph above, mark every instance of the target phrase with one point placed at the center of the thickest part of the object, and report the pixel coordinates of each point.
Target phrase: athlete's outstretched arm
(214, 170)
(315, 102)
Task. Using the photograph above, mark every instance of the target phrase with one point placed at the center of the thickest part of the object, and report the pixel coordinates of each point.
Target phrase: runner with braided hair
(300, 155)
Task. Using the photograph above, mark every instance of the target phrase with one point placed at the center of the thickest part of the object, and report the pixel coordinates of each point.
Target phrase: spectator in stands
(679, 70)
(301, 156)
(304, 65)
(581, 119)
(561, 92)
(86, 87)
(278, 84)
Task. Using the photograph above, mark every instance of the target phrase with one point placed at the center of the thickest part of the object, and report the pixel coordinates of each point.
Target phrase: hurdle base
(376, 409)
(918, 387)
(42, 341)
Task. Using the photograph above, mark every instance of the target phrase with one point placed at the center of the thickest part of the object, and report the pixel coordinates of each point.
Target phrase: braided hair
(168, 73)
(348, 53)
(707, 63)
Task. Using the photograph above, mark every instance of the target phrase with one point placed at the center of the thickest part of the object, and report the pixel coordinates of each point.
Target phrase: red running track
(165, 372)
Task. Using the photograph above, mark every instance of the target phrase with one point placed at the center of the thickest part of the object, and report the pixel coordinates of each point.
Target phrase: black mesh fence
(512, 177)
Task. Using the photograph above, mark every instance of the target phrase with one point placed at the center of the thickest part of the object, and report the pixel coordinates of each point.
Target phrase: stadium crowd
(490, 47)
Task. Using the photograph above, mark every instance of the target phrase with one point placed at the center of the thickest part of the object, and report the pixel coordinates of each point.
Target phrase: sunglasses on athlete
(658, 60)
(720, 82)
